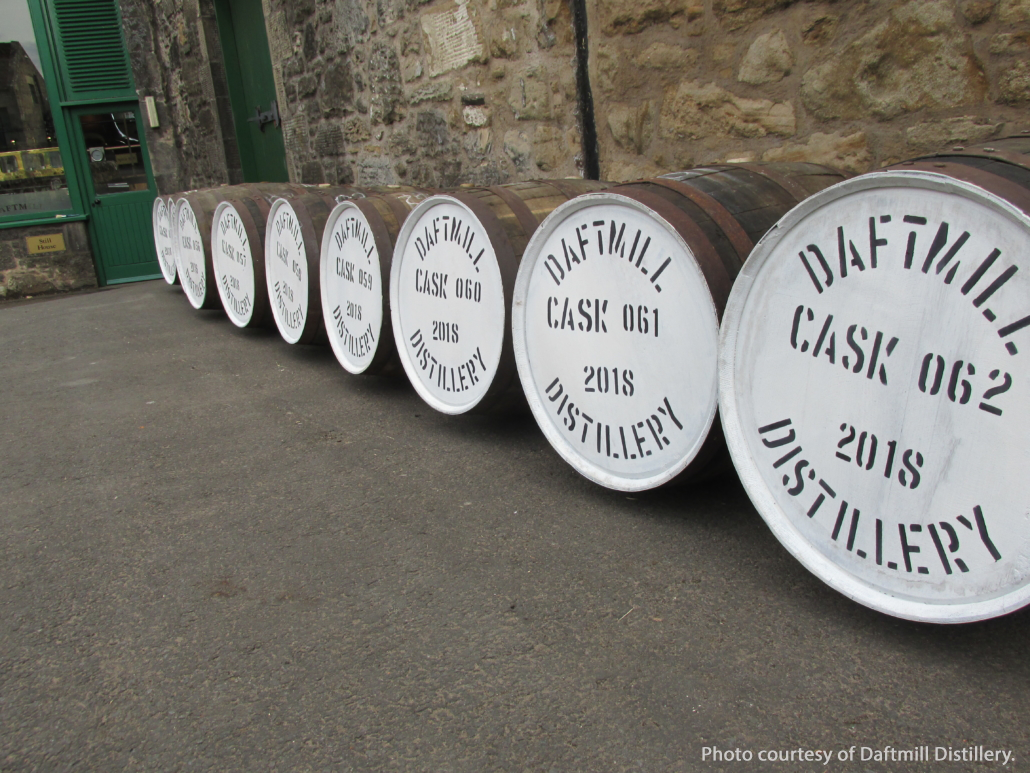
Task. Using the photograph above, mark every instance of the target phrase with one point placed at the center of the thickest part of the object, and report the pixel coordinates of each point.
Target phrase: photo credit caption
(925, 754)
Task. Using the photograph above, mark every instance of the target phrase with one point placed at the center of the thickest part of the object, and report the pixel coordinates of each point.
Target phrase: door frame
(84, 177)
(234, 83)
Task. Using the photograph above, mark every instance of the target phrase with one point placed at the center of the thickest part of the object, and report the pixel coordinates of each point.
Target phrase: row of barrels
(850, 346)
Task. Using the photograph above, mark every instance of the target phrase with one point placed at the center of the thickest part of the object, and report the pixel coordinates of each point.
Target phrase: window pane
(31, 168)
(115, 155)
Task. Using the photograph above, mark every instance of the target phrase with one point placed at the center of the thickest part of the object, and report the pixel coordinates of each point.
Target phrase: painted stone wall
(854, 84)
(23, 274)
(431, 94)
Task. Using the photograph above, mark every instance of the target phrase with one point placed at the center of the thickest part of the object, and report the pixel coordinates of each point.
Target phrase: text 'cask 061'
(616, 316)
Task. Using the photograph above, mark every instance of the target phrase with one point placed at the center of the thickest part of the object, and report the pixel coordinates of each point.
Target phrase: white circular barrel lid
(447, 304)
(191, 267)
(875, 393)
(615, 335)
(163, 239)
(351, 285)
(233, 264)
(286, 270)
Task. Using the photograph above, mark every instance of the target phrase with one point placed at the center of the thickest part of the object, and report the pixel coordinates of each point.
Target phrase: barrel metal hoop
(718, 279)
(1012, 192)
(526, 218)
(711, 207)
(1016, 159)
(796, 191)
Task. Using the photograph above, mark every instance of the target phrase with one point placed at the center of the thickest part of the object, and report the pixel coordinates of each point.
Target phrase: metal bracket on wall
(269, 116)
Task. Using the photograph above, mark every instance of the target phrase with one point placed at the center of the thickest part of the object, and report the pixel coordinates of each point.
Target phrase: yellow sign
(45, 243)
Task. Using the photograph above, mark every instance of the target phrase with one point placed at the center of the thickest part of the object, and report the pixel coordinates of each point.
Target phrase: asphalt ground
(221, 552)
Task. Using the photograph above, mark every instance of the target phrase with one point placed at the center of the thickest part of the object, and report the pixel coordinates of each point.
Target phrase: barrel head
(875, 393)
(192, 267)
(351, 283)
(615, 335)
(162, 222)
(286, 270)
(233, 263)
(447, 304)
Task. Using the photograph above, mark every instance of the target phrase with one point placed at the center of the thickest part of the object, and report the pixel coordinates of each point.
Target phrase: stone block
(930, 136)
(311, 173)
(1008, 43)
(432, 134)
(351, 23)
(1011, 12)
(916, 58)
(632, 125)
(337, 90)
(516, 147)
(478, 144)
(821, 29)
(375, 171)
(307, 84)
(476, 115)
(768, 59)
(696, 111)
(627, 17)
(438, 91)
(977, 11)
(530, 96)
(734, 14)
(452, 38)
(329, 139)
(384, 80)
(666, 57)
(1014, 84)
(848, 153)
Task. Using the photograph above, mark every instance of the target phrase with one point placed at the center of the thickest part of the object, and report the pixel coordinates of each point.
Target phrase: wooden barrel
(238, 257)
(616, 316)
(875, 384)
(357, 249)
(193, 212)
(162, 224)
(293, 238)
(451, 284)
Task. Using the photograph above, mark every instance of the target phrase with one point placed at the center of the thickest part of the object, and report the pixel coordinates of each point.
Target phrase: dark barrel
(451, 285)
(616, 316)
(357, 250)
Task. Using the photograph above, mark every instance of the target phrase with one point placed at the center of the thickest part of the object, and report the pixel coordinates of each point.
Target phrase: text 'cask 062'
(875, 386)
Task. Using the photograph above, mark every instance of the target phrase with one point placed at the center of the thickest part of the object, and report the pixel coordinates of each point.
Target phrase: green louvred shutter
(91, 50)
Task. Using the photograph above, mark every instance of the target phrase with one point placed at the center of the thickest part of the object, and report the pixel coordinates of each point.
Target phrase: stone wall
(853, 84)
(177, 59)
(446, 92)
(431, 94)
(22, 274)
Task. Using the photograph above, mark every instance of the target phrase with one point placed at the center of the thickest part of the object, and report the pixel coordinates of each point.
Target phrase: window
(32, 176)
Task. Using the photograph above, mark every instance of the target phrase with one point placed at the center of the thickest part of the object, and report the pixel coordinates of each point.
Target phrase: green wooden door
(248, 65)
(111, 152)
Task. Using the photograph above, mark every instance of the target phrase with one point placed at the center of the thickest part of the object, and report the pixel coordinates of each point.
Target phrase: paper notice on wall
(453, 40)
